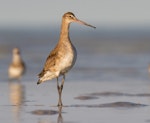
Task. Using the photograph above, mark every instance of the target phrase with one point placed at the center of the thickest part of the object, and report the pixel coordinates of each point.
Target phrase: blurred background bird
(17, 66)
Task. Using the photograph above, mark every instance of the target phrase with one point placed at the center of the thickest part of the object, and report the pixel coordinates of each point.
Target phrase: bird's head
(16, 51)
(70, 17)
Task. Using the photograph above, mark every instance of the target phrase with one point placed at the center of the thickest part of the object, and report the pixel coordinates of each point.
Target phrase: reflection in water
(49, 112)
(60, 118)
(17, 91)
(149, 68)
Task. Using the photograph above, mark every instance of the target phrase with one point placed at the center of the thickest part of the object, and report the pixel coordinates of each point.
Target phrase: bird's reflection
(17, 96)
(60, 118)
(49, 112)
(149, 70)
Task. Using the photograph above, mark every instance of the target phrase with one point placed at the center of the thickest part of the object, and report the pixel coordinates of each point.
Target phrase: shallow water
(118, 102)
(109, 82)
(101, 55)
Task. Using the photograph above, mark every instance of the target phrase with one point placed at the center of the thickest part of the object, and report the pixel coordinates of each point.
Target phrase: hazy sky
(102, 12)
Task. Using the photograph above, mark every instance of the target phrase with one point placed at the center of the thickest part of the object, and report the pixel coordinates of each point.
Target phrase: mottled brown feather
(52, 60)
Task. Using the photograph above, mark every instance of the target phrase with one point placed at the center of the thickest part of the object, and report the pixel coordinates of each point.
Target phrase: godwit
(63, 56)
(17, 67)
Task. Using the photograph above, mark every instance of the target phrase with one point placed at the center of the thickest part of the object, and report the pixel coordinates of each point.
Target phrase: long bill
(84, 23)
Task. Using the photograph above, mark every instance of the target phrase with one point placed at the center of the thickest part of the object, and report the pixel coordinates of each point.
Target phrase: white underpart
(49, 75)
(15, 72)
(67, 62)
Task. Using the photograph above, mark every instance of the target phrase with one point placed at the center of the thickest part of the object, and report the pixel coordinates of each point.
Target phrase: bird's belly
(15, 72)
(67, 62)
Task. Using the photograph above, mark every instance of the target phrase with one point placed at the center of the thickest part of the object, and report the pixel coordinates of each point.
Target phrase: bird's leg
(62, 84)
(59, 93)
(60, 88)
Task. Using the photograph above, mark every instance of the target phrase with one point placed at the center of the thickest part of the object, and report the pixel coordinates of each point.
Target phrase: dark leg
(59, 93)
(60, 88)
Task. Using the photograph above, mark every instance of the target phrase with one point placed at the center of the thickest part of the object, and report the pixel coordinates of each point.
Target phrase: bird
(149, 68)
(63, 57)
(16, 68)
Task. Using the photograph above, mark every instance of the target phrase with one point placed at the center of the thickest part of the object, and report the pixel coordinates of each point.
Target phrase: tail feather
(41, 74)
(39, 82)
(45, 75)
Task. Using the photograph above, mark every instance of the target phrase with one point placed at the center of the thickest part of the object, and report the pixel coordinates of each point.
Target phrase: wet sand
(92, 102)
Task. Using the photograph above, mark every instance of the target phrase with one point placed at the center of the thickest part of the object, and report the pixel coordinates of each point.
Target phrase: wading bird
(62, 58)
(17, 67)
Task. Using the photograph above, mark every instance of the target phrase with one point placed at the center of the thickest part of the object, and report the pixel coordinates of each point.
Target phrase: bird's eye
(70, 16)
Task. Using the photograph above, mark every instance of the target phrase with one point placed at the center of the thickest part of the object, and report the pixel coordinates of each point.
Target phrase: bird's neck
(64, 34)
(16, 59)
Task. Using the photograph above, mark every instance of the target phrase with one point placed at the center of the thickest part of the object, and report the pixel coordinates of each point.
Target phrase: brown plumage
(63, 56)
